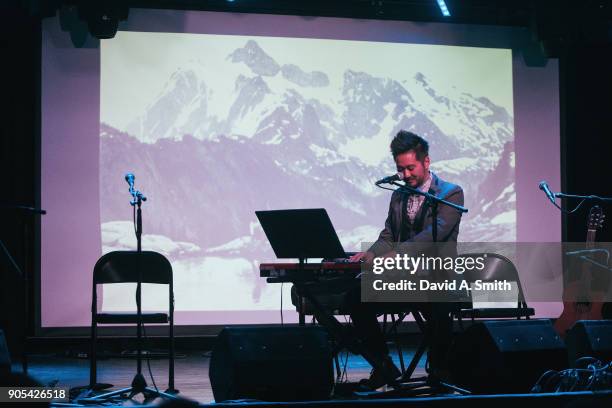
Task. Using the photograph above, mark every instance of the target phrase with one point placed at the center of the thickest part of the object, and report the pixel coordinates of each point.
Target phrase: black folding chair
(125, 267)
(496, 267)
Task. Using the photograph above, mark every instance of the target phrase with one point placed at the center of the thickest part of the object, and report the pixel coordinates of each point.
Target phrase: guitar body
(574, 311)
(576, 304)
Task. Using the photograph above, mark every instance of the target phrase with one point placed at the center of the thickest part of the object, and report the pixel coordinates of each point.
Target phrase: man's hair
(405, 141)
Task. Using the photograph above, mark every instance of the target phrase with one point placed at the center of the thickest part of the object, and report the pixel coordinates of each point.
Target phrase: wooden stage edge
(567, 399)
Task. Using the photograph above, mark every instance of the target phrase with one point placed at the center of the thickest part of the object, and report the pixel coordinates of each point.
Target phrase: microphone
(544, 187)
(389, 179)
(129, 177)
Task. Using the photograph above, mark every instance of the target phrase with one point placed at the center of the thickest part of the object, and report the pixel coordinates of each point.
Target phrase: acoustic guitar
(580, 301)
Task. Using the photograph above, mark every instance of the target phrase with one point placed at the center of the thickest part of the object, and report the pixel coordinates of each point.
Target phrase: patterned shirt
(415, 201)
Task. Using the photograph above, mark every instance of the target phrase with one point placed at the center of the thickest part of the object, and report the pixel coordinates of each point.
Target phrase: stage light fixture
(103, 19)
(443, 8)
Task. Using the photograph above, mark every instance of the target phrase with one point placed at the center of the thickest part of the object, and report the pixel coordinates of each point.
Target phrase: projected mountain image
(210, 150)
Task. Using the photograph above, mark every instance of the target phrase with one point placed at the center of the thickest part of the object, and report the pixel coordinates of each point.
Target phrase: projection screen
(219, 115)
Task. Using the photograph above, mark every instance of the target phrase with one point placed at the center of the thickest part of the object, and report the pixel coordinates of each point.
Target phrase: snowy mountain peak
(253, 56)
(172, 107)
(369, 100)
(360, 114)
(421, 78)
(295, 74)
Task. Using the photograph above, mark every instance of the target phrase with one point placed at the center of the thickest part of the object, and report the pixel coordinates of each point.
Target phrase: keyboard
(289, 272)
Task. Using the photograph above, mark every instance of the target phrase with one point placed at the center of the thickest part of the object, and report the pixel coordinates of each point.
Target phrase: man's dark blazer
(448, 218)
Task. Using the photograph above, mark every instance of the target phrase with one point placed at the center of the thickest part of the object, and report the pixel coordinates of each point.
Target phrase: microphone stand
(406, 385)
(584, 197)
(433, 203)
(593, 198)
(139, 384)
(23, 274)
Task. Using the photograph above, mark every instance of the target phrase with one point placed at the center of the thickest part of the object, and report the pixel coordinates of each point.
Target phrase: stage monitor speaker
(5, 360)
(505, 356)
(272, 364)
(590, 338)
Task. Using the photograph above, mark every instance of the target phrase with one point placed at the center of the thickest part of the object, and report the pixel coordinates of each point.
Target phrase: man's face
(414, 171)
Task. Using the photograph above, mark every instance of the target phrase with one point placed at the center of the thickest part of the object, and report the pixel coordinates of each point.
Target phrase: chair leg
(301, 315)
(394, 323)
(171, 388)
(93, 356)
(338, 368)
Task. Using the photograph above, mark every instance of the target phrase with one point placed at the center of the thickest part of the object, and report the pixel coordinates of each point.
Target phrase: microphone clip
(138, 197)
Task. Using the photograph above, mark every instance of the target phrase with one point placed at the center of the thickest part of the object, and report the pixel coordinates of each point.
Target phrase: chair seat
(497, 313)
(131, 317)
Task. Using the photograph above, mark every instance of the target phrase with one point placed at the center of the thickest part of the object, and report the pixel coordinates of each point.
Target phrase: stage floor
(191, 377)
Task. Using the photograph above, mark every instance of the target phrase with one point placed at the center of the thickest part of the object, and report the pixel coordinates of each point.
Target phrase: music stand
(301, 234)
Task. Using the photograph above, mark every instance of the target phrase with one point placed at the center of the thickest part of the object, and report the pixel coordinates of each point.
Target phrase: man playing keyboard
(409, 220)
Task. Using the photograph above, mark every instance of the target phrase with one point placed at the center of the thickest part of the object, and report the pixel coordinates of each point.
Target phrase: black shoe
(387, 373)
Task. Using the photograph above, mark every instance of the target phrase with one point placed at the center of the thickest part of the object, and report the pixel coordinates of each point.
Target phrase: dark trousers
(364, 317)
(439, 325)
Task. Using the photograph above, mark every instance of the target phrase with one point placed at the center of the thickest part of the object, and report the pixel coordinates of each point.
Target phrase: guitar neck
(590, 238)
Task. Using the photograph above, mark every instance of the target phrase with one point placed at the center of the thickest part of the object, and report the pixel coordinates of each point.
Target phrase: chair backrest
(496, 267)
(125, 267)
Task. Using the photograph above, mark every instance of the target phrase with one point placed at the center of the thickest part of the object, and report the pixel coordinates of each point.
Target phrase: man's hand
(366, 257)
